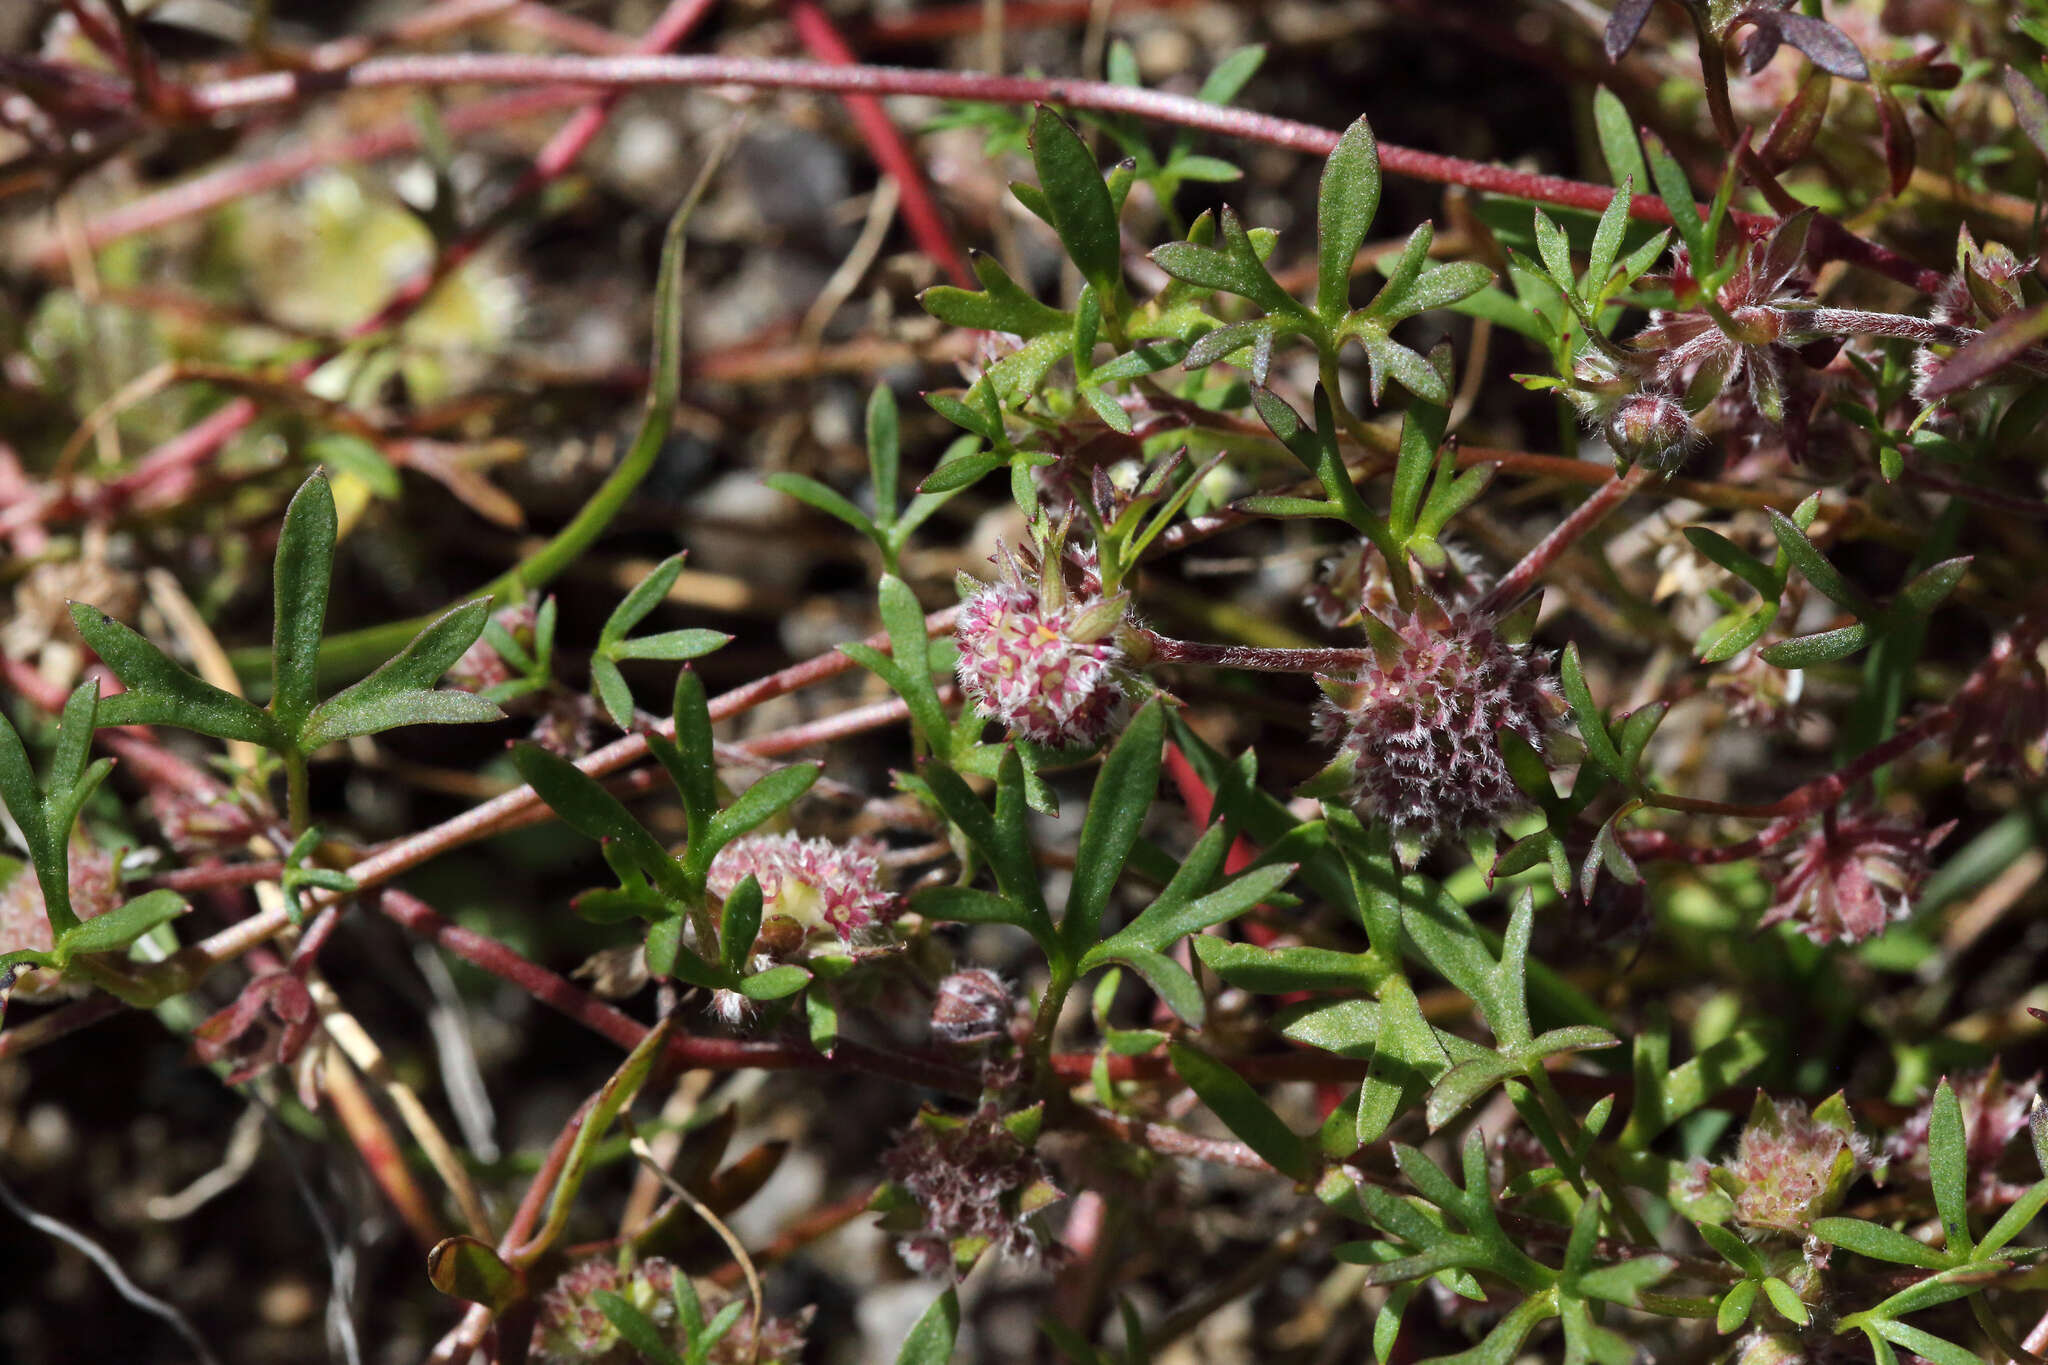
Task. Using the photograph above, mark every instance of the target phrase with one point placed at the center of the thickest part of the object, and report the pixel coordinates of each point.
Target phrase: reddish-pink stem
(920, 211)
(1518, 581)
(1829, 241)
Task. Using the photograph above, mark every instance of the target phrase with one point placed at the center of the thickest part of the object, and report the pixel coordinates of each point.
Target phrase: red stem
(1829, 240)
(920, 211)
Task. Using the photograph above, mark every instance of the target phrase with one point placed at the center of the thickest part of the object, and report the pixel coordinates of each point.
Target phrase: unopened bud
(973, 1006)
(1652, 430)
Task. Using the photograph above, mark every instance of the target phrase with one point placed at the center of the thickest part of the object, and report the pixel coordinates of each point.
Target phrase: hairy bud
(1650, 429)
(973, 1006)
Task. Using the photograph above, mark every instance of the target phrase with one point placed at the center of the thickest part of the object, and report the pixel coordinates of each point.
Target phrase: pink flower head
(1852, 877)
(1994, 1113)
(817, 883)
(1421, 727)
(1694, 354)
(1042, 659)
(1790, 1166)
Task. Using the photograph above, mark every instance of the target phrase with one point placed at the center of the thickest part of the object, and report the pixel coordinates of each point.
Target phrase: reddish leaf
(1624, 25)
(2029, 108)
(1792, 132)
(2003, 342)
(1900, 150)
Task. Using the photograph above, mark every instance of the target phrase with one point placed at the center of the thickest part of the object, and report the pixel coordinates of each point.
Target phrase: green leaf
(646, 595)
(1230, 75)
(1734, 1308)
(806, 489)
(118, 928)
(161, 693)
(770, 795)
(1948, 1165)
(965, 905)
(20, 791)
(1733, 1249)
(885, 452)
(606, 1105)
(1924, 1344)
(1785, 1300)
(931, 1339)
(776, 983)
(401, 692)
(1001, 305)
(1346, 202)
(468, 1269)
(1171, 981)
(1618, 140)
(1117, 807)
(1556, 252)
(1662, 1100)
(673, 646)
(1234, 1101)
(692, 761)
(1878, 1242)
(595, 813)
(1930, 587)
(1592, 724)
(1676, 192)
(303, 570)
(1078, 202)
(2015, 1219)
(910, 649)
(1730, 556)
(1812, 563)
(966, 468)
(1805, 651)
(1455, 1091)
(1277, 971)
(739, 924)
(635, 1328)
(1607, 241)
(1163, 923)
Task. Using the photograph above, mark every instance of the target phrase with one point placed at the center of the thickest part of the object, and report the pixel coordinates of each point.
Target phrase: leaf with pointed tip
(1001, 305)
(118, 928)
(777, 983)
(1172, 922)
(1077, 201)
(161, 693)
(809, 491)
(1624, 24)
(1124, 788)
(1948, 1164)
(1346, 202)
(772, 794)
(595, 813)
(1804, 651)
(1169, 980)
(303, 570)
(402, 692)
(931, 1338)
(1234, 1101)
(611, 1098)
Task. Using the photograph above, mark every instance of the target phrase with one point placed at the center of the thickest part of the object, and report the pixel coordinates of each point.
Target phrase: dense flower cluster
(976, 1184)
(1851, 877)
(814, 882)
(1790, 1166)
(1994, 1113)
(1421, 727)
(572, 1329)
(1043, 660)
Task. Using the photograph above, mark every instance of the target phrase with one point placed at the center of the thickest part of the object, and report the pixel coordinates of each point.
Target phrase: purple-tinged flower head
(815, 883)
(1984, 288)
(2000, 718)
(976, 1183)
(1042, 658)
(572, 1329)
(1995, 1111)
(1421, 727)
(1759, 693)
(1851, 877)
(1695, 354)
(1790, 1166)
(1354, 583)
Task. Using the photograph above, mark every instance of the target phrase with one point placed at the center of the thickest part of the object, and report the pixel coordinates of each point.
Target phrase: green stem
(1628, 1223)
(298, 793)
(1048, 1017)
